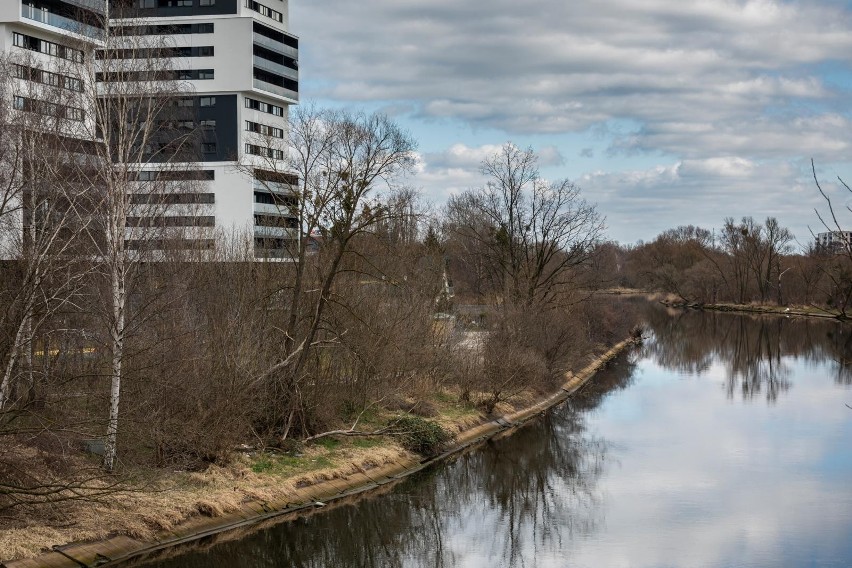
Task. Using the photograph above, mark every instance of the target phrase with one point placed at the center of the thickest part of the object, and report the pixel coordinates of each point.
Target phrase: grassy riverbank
(169, 502)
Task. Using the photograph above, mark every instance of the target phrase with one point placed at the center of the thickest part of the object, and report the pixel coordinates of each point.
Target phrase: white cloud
(730, 92)
(545, 66)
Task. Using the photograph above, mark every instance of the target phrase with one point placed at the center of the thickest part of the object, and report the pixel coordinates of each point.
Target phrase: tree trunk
(117, 332)
(21, 337)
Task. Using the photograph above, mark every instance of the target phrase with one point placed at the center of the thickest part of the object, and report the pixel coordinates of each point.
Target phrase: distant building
(241, 65)
(834, 240)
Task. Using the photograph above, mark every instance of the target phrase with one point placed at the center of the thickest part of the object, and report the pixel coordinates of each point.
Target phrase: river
(724, 441)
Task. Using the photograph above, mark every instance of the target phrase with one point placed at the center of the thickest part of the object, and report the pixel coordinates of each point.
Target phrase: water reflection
(643, 468)
(516, 498)
(755, 351)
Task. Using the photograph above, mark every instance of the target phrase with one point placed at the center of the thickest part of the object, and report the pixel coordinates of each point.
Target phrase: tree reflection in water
(756, 350)
(505, 502)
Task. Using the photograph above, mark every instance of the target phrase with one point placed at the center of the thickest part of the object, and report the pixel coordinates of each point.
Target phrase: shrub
(421, 436)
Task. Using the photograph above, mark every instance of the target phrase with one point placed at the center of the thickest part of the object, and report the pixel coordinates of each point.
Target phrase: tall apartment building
(241, 66)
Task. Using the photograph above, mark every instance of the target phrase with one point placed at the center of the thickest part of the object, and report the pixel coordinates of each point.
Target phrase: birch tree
(147, 136)
(40, 221)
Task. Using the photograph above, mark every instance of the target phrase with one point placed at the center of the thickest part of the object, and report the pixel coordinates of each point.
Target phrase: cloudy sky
(664, 112)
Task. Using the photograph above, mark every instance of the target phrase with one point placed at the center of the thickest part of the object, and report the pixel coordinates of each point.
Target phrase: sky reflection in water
(724, 442)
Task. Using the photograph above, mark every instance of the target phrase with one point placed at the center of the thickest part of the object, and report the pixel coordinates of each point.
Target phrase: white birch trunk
(21, 339)
(117, 333)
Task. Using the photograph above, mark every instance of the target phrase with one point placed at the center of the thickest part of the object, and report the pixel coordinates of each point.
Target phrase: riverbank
(771, 309)
(188, 506)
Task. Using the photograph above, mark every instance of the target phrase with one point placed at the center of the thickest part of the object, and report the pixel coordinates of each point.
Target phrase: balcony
(291, 96)
(274, 187)
(272, 209)
(61, 22)
(276, 68)
(275, 232)
(97, 6)
(276, 46)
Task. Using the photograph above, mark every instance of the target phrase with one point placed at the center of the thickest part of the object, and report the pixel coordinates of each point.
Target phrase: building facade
(834, 240)
(43, 41)
(44, 44)
(237, 62)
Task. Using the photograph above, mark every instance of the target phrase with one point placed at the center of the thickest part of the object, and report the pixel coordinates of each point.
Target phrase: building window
(164, 29)
(207, 101)
(173, 175)
(206, 2)
(165, 75)
(46, 108)
(269, 198)
(275, 221)
(73, 113)
(47, 78)
(208, 124)
(172, 221)
(47, 47)
(265, 10)
(264, 130)
(265, 152)
(264, 107)
(179, 198)
(156, 53)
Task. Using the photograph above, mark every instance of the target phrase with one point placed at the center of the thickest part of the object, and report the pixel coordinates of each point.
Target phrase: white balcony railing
(276, 68)
(55, 20)
(291, 96)
(276, 46)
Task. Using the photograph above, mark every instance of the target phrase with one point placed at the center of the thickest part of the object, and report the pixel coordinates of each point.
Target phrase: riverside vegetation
(146, 385)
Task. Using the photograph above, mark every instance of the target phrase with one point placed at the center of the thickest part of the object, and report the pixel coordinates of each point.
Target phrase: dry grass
(175, 497)
(179, 496)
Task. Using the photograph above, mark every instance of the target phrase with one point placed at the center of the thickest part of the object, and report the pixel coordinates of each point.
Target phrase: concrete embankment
(302, 500)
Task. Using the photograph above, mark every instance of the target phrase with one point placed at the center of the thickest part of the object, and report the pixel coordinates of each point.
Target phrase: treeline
(742, 262)
(116, 356)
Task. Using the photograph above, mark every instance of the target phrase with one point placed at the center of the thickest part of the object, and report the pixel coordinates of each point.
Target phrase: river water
(724, 441)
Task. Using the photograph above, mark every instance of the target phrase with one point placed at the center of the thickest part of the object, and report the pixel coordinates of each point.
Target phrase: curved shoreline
(112, 551)
(756, 309)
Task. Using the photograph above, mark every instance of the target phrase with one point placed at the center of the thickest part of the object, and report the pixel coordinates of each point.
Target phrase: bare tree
(835, 260)
(342, 163)
(532, 231)
(40, 223)
(147, 143)
(777, 245)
